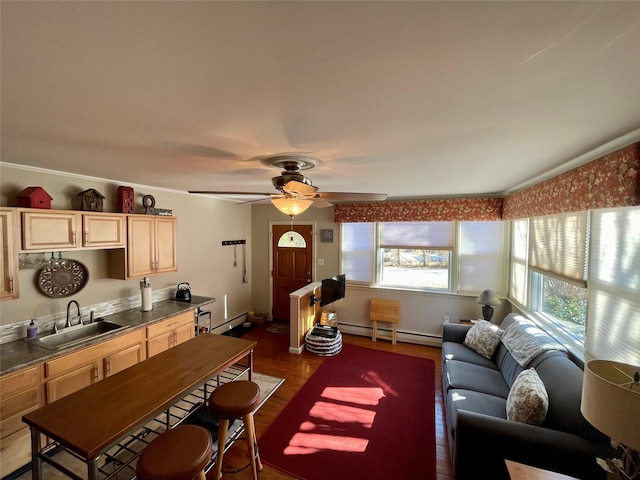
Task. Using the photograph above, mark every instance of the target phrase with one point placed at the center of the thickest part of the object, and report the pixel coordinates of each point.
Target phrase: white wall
(203, 223)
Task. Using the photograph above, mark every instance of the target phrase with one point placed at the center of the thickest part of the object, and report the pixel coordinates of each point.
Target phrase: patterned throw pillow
(484, 338)
(528, 400)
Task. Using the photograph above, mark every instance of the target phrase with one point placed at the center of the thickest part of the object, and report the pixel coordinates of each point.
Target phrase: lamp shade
(487, 297)
(291, 206)
(611, 400)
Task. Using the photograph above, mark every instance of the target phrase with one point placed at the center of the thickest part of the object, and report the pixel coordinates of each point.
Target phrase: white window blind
(613, 318)
(519, 242)
(434, 235)
(481, 256)
(558, 246)
(358, 251)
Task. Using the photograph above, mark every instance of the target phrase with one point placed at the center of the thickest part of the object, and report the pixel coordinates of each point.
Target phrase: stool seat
(181, 453)
(234, 399)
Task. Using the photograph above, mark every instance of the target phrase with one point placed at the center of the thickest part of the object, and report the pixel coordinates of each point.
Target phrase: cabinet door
(140, 246)
(166, 239)
(20, 393)
(72, 382)
(126, 358)
(50, 231)
(103, 231)
(15, 451)
(184, 333)
(9, 255)
(160, 343)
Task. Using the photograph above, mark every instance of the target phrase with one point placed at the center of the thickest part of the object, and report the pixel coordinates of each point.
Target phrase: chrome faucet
(68, 324)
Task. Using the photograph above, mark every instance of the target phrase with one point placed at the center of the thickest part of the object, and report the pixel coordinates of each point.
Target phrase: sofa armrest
(484, 442)
(454, 332)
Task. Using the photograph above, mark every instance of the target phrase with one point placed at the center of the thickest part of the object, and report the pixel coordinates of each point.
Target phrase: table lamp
(611, 403)
(489, 300)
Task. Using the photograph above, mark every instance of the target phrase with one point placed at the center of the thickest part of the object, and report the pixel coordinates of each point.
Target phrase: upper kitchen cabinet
(103, 230)
(9, 243)
(151, 248)
(68, 230)
(50, 230)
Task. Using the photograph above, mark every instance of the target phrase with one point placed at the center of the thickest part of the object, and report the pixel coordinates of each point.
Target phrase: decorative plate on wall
(62, 278)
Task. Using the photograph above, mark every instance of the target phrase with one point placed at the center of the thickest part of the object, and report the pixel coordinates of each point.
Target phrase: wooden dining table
(90, 421)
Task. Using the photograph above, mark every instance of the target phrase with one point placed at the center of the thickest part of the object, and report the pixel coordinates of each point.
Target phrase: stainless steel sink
(76, 334)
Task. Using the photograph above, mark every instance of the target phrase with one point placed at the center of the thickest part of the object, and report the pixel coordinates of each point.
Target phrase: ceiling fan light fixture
(291, 206)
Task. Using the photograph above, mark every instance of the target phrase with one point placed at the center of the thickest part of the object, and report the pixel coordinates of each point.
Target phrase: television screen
(332, 289)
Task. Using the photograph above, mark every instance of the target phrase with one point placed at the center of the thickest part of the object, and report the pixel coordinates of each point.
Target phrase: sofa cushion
(563, 380)
(467, 376)
(460, 399)
(528, 400)
(483, 337)
(457, 351)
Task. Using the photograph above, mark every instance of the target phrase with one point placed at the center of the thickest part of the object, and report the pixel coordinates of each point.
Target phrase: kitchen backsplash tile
(18, 330)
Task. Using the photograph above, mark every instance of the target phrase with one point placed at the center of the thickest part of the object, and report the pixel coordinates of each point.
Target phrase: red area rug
(363, 414)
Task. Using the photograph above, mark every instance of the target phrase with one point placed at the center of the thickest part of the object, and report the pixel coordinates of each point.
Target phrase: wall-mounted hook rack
(233, 242)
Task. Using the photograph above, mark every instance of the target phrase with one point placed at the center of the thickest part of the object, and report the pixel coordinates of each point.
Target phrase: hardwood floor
(272, 358)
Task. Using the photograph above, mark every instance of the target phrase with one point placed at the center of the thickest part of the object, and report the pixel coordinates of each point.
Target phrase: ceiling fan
(297, 191)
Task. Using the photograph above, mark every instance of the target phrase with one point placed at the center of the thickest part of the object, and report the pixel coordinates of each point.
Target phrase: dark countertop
(21, 353)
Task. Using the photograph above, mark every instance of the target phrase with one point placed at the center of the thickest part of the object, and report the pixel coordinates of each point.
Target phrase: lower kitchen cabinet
(168, 333)
(70, 382)
(20, 393)
(126, 358)
(70, 373)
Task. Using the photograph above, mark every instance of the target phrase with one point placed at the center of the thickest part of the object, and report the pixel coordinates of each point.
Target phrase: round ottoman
(323, 345)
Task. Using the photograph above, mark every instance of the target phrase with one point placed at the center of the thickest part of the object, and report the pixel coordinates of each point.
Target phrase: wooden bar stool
(236, 400)
(181, 453)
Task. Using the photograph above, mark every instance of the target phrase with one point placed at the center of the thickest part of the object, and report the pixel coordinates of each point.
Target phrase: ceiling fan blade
(321, 203)
(216, 192)
(299, 188)
(352, 197)
(255, 200)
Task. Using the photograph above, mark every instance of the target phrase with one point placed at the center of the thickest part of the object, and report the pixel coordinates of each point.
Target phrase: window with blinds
(519, 248)
(481, 256)
(613, 320)
(358, 252)
(425, 255)
(416, 254)
(558, 246)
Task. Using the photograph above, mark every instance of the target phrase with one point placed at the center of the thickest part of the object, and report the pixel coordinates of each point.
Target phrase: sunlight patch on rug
(357, 395)
(308, 443)
(331, 412)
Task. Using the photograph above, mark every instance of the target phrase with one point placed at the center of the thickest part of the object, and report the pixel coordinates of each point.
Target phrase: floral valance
(609, 181)
(448, 209)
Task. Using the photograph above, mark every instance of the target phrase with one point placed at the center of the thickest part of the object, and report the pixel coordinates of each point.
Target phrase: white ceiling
(412, 99)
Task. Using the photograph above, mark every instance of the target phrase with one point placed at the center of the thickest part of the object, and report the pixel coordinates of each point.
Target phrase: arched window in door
(292, 239)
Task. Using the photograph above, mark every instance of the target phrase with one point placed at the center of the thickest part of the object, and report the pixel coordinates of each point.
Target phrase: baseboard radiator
(403, 335)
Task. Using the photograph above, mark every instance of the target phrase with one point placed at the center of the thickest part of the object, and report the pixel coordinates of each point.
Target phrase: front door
(292, 265)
